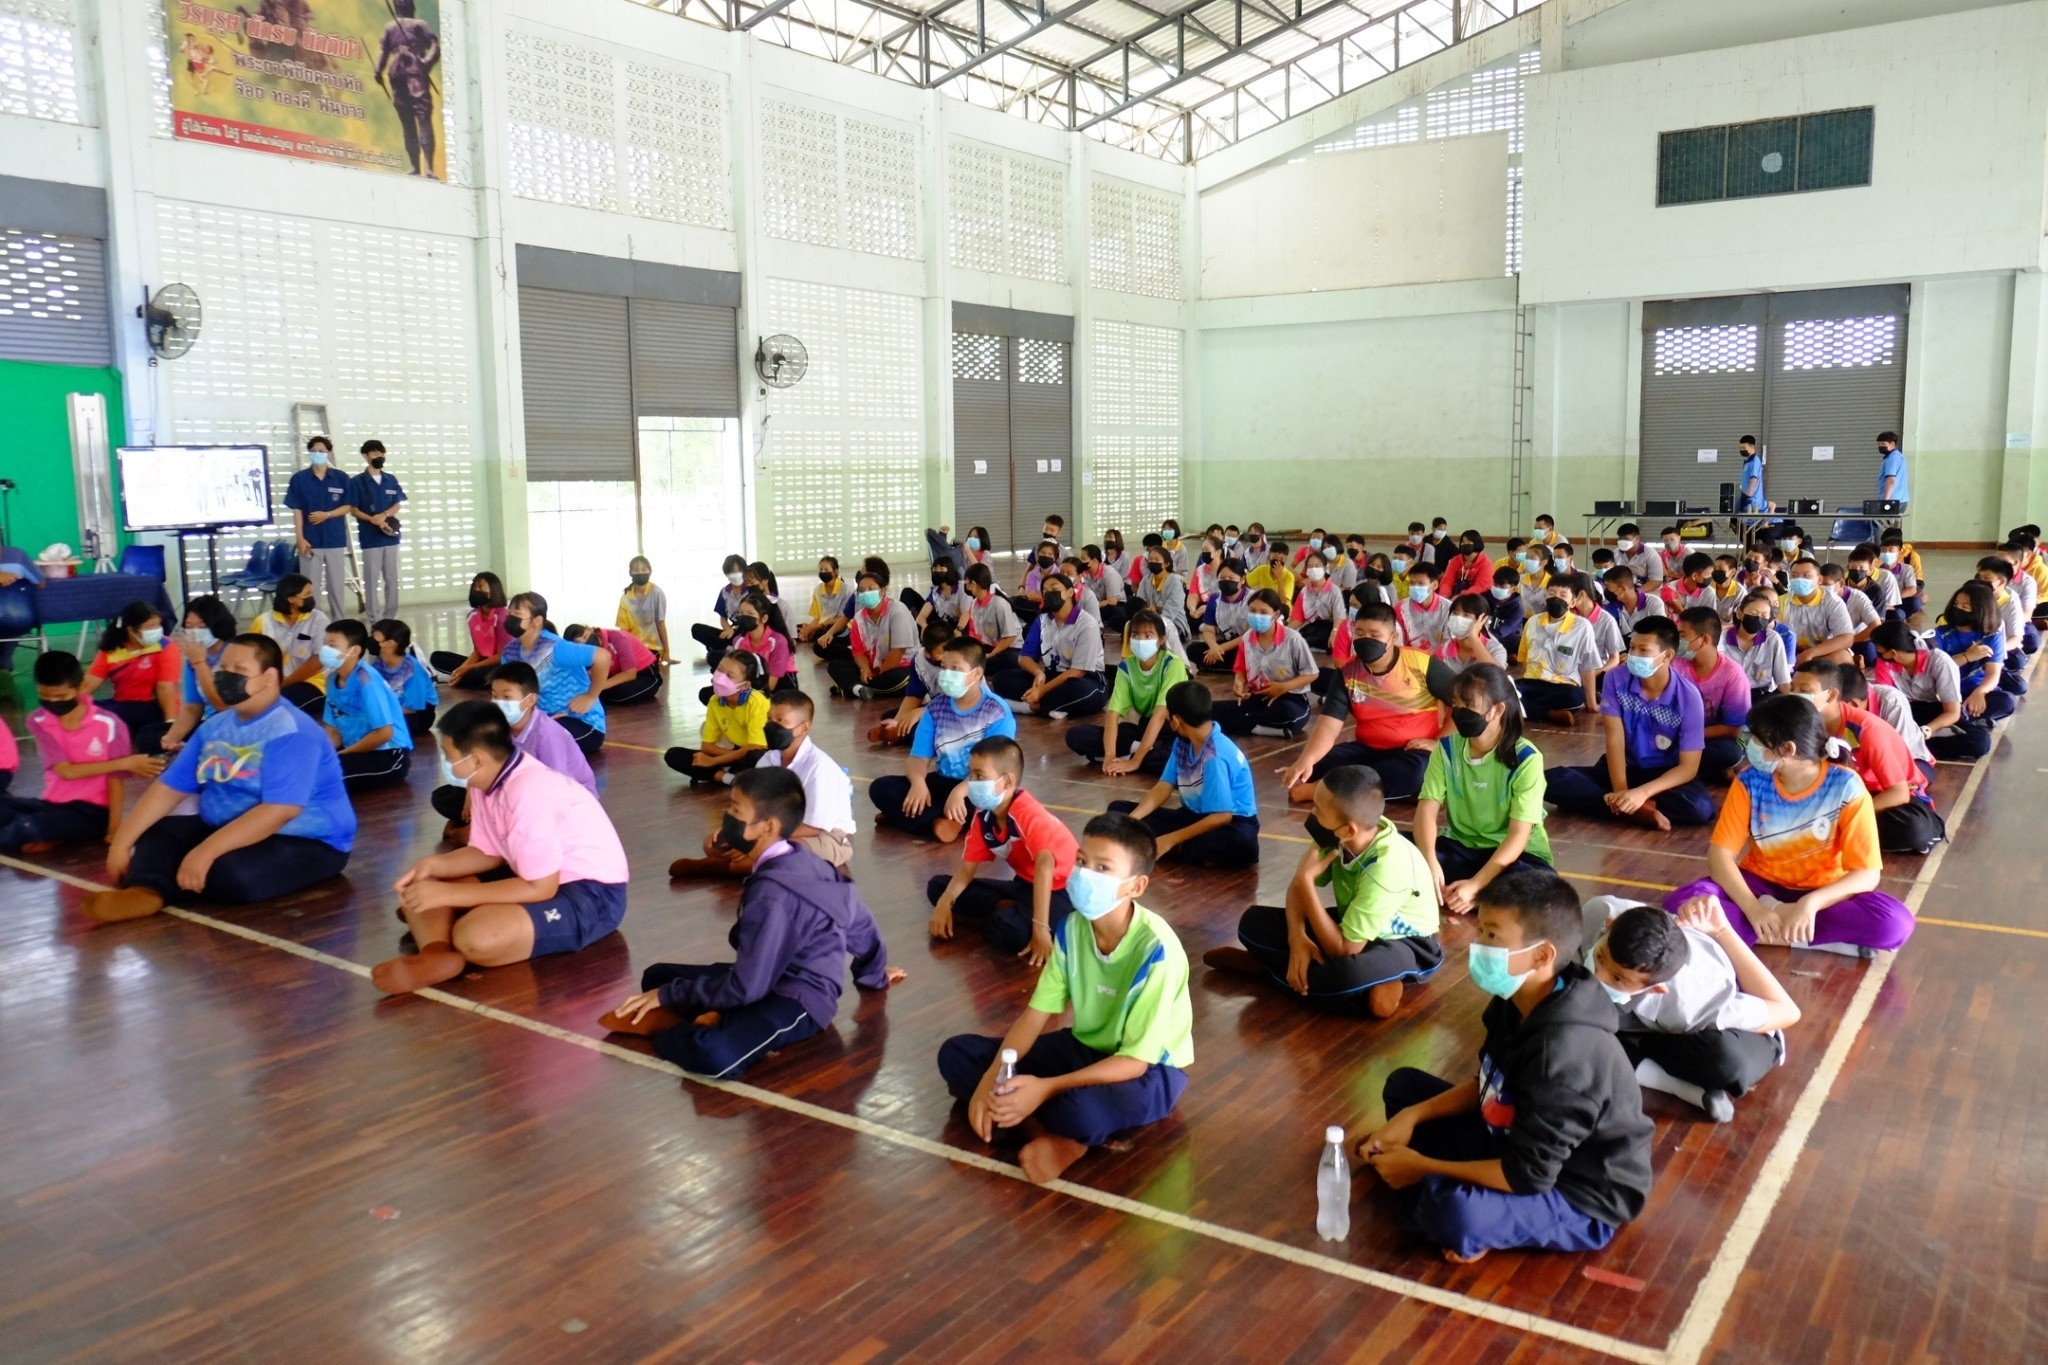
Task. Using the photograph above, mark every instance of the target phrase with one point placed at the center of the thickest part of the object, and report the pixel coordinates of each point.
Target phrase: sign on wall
(349, 82)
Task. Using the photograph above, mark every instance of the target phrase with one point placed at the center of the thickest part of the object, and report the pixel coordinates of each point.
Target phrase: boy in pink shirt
(544, 871)
(634, 676)
(85, 753)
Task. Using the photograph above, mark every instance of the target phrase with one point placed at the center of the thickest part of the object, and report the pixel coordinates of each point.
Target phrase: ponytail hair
(130, 621)
(1481, 687)
(1789, 718)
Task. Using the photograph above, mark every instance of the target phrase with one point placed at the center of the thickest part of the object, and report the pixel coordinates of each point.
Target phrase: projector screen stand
(212, 562)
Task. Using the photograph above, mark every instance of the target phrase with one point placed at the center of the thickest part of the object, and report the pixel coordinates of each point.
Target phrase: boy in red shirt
(85, 754)
(1906, 819)
(1039, 848)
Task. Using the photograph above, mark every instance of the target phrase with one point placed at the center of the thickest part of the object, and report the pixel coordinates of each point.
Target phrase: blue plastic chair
(250, 577)
(1852, 531)
(147, 560)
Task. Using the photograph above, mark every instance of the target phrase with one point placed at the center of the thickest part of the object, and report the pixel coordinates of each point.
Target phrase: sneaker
(1719, 1104)
(864, 692)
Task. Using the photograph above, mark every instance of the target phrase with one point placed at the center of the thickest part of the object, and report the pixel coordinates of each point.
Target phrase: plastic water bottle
(1006, 1072)
(1333, 1188)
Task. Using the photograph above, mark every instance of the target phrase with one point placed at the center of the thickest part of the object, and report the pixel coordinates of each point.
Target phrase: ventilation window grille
(1006, 212)
(1705, 350)
(1037, 210)
(41, 276)
(1404, 126)
(39, 48)
(675, 146)
(1841, 343)
(452, 105)
(977, 357)
(560, 144)
(1041, 362)
(881, 189)
(975, 214)
(800, 173)
(1134, 240)
(156, 60)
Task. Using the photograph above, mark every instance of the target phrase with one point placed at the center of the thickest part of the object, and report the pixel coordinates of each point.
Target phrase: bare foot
(1046, 1158)
(1455, 1259)
(111, 907)
(1648, 814)
(1384, 999)
(1234, 960)
(946, 830)
(1567, 719)
(683, 868)
(455, 834)
(1301, 795)
(428, 967)
(37, 846)
(656, 1020)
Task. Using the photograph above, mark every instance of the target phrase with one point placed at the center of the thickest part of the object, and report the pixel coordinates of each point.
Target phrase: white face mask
(1458, 627)
(1315, 573)
(1624, 545)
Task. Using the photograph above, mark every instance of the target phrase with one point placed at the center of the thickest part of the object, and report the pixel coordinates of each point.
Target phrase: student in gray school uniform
(1163, 590)
(1275, 670)
(1628, 603)
(1223, 621)
(1639, 559)
(1106, 585)
(988, 619)
(1060, 672)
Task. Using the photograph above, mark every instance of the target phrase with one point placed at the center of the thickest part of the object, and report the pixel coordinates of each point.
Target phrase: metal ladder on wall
(1519, 439)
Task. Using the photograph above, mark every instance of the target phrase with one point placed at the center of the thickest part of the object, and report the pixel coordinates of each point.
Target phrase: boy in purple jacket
(800, 918)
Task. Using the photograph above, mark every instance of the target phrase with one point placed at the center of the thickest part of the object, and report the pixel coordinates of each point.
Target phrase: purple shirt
(1724, 693)
(1656, 732)
(548, 744)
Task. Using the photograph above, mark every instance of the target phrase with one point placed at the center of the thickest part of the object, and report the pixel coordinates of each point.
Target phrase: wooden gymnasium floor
(223, 1145)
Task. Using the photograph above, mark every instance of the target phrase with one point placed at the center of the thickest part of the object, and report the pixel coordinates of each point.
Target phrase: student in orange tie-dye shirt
(1794, 855)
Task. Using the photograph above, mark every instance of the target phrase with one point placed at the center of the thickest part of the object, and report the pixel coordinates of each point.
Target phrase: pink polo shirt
(627, 651)
(99, 738)
(541, 822)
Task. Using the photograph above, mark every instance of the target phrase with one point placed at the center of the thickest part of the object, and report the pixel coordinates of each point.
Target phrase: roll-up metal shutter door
(1838, 377)
(981, 437)
(53, 299)
(1703, 389)
(685, 359)
(1041, 435)
(575, 370)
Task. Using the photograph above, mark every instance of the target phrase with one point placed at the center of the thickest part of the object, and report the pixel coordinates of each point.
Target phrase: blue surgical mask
(318, 459)
(1618, 996)
(1400, 564)
(514, 711)
(448, 774)
(870, 599)
(1486, 964)
(1418, 593)
(1641, 665)
(1315, 542)
(1803, 587)
(1093, 894)
(1501, 594)
(153, 636)
(984, 795)
(202, 637)
(1145, 650)
(1259, 621)
(1759, 759)
(974, 542)
(330, 657)
(953, 682)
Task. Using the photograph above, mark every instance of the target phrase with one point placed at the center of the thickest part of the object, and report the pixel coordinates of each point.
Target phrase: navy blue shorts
(578, 915)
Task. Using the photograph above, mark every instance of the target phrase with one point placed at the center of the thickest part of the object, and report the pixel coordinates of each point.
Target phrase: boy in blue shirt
(363, 717)
(391, 655)
(319, 498)
(1656, 732)
(933, 804)
(1217, 821)
(273, 816)
(376, 497)
(571, 674)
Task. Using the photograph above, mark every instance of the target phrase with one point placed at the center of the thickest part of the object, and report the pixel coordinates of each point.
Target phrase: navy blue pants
(889, 794)
(25, 820)
(1289, 713)
(1091, 1114)
(1228, 846)
(1086, 740)
(1001, 908)
(1400, 770)
(1463, 861)
(275, 867)
(587, 736)
(1082, 696)
(1469, 1219)
(1964, 742)
(1339, 984)
(742, 1036)
(1720, 756)
(1540, 698)
(1583, 791)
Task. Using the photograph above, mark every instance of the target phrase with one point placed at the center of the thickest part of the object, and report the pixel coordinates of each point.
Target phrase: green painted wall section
(35, 446)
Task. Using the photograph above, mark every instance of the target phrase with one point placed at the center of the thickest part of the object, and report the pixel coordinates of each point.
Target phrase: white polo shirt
(828, 791)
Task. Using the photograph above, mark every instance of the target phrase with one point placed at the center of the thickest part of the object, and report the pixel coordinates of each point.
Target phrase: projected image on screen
(174, 488)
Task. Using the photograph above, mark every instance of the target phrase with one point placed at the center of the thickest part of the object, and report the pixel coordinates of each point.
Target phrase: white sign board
(1823, 452)
(981, 466)
(1710, 457)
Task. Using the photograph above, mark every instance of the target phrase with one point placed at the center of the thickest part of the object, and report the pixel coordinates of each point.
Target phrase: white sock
(1654, 1077)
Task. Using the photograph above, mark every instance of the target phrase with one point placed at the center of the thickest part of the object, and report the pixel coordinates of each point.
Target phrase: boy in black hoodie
(800, 918)
(1547, 1147)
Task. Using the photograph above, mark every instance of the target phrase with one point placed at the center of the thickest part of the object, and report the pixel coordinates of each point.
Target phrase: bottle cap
(1010, 1059)
(1333, 1134)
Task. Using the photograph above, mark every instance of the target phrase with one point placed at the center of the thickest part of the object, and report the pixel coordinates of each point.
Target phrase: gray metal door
(1041, 436)
(1703, 390)
(981, 438)
(1838, 377)
(575, 370)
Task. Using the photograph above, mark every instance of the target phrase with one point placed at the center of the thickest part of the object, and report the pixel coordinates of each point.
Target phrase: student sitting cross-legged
(1907, 821)
(1382, 933)
(827, 827)
(363, 718)
(1701, 1017)
(800, 921)
(86, 761)
(1123, 1063)
(923, 684)
(735, 724)
(273, 815)
(1481, 809)
(544, 871)
(1022, 915)
(1391, 694)
(572, 676)
(1216, 823)
(1565, 650)
(1656, 731)
(1059, 671)
(1275, 670)
(1933, 687)
(883, 637)
(392, 657)
(930, 799)
(515, 691)
(1547, 1146)
(1130, 737)
(1795, 854)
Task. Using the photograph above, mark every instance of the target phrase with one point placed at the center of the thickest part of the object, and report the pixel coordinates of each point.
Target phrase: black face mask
(61, 708)
(1054, 603)
(826, 575)
(1756, 625)
(733, 834)
(1858, 575)
(232, 688)
(1372, 650)
(376, 462)
(640, 580)
(1113, 547)
(746, 624)
(1471, 724)
(1045, 561)
(479, 600)
(1229, 587)
(779, 737)
(1555, 608)
(516, 624)
(1155, 567)
(1468, 549)
(1720, 576)
(1324, 839)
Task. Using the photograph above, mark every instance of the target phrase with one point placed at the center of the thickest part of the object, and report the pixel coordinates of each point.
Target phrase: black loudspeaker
(1882, 507)
(1614, 509)
(1727, 499)
(1660, 507)
(1806, 507)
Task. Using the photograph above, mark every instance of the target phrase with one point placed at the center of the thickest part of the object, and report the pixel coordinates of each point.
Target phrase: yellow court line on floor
(1984, 928)
(1514, 1319)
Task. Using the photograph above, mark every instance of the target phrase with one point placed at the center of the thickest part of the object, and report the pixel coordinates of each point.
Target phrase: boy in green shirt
(1130, 737)
(1123, 1064)
(1383, 933)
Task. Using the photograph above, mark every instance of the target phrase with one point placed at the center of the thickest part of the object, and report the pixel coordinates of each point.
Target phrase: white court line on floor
(1265, 1246)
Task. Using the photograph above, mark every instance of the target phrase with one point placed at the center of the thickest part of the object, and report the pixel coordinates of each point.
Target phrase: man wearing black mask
(376, 497)
(1393, 696)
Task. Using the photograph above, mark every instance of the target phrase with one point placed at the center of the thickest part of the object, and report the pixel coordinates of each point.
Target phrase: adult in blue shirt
(571, 675)
(933, 804)
(375, 497)
(1217, 821)
(1891, 468)
(273, 815)
(363, 719)
(319, 498)
(1656, 725)
(1750, 483)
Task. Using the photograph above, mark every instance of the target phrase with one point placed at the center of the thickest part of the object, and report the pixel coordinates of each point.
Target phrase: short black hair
(1891, 436)
(1544, 904)
(474, 725)
(268, 655)
(1895, 636)
(1376, 613)
(394, 630)
(58, 669)
(1705, 621)
(777, 794)
(1647, 941)
(1190, 703)
(1995, 564)
(1358, 792)
(372, 446)
(1696, 562)
(1005, 753)
(966, 648)
(320, 441)
(980, 576)
(790, 696)
(1422, 568)
(937, 630)
(1055, 519)
(1129, 835)
(1660, 629)
(214, 614)
(520, 674)
(352, 631)
(1275, 547)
